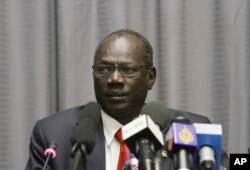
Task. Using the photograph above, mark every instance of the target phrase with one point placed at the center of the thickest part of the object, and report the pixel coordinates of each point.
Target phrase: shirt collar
(110, 127)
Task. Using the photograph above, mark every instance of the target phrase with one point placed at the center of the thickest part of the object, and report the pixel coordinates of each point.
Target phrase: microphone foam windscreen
(181, 119)
(158, 112)
(86, 129)
(91, 110)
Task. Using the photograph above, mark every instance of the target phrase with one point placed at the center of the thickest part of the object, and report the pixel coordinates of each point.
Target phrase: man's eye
(104, 69)
(129, 70)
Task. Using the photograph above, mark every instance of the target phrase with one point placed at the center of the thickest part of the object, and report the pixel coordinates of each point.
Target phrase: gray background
(201, 47)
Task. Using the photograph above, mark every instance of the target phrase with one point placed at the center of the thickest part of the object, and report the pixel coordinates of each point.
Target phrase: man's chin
(117, 109)
(116, 103)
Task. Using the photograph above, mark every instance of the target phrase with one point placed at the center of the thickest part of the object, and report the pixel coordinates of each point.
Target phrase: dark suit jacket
(59, 128)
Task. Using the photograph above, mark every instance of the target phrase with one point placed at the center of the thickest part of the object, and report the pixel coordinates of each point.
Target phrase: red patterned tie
(124, 151)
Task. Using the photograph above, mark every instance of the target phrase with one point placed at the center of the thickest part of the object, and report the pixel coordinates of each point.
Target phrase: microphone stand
(79, 154)
(46, 162)
(146, 154)
(157, 160)
(183, 160)
(49, 153)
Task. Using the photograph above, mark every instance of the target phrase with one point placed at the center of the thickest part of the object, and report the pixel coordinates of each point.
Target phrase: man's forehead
(117, 45)
(122, 44)
(125, 47)
(121, 41)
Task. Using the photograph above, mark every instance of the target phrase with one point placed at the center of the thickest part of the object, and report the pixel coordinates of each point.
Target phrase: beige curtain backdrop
(201, 51)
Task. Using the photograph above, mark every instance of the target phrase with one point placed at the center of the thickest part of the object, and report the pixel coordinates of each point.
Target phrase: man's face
(118, 95)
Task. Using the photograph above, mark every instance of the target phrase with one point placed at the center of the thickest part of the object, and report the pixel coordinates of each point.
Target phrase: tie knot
(118, 136)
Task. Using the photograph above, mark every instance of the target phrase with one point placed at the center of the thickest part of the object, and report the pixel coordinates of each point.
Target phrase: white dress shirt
(112, 146)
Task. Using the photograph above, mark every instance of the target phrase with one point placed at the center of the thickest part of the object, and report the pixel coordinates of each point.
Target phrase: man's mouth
(115, 97)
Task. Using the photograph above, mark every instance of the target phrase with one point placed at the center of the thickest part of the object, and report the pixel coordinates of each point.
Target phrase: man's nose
(116, 77)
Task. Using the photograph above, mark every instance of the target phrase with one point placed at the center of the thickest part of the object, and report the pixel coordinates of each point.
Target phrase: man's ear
(151, 77)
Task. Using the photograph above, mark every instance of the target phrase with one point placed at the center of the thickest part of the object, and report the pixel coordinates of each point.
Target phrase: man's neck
(127, 119)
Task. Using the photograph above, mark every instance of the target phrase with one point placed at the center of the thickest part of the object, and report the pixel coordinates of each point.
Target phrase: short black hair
(148, 50)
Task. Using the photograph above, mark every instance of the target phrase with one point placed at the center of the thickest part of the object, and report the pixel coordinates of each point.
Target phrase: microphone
(83, 140)
(49, 153)
(158, 112)
(208, 154)
(143, 138)
(181, 143)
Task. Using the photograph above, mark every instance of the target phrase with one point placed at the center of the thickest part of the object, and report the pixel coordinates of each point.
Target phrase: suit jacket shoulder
(192, 117)
(56, 128)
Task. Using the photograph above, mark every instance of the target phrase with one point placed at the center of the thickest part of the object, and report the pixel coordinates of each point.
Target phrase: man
(123, 73)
